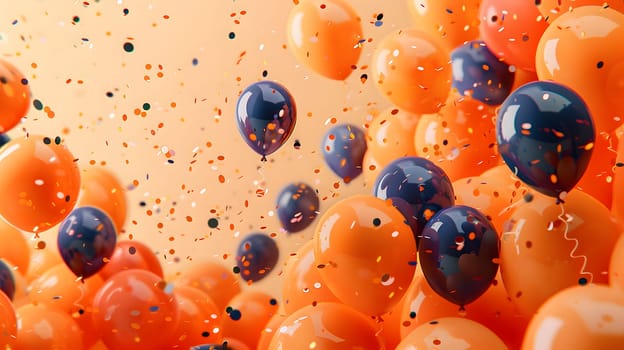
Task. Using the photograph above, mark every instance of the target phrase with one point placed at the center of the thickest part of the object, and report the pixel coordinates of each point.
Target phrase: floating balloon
(452, 333)
(390, 135)
(256, 256)
(40, 327)
(581, 317)
(266, 115)
(214, 279)
(478, 73)
(14, 96)
(131, 255)
(344, 147)
(454, 21)
(7, 281)
(458, 254)
(134, 309)
(328, 326)
(247, 314)
(412, 70)
(17, 252)
(4, 139)
(8, 322)
(512, 30)
(297, 206)
(552, 9)
(86, 240)
(326, 36)
(101, 188)
(546, 136)
(420, 183)
(577, 50)
(366, 253)
(40, 182)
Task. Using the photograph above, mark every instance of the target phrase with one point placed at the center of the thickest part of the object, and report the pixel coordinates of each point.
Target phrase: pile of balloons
(492, 217)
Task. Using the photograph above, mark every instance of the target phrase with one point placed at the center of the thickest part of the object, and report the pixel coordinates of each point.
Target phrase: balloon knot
(263, 159)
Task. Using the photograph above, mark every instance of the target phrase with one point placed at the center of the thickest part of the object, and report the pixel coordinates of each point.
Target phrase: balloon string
(81, 287)
(261, 190)
(565, 218)
(513, 177)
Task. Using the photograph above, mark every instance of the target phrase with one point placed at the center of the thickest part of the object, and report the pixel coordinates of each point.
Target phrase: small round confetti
(213, 223)
(128, 47)
(232, 35)
(235, 315)
(146, 106)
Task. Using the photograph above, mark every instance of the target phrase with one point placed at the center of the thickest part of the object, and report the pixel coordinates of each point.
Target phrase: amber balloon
(44, 328)
(214, 279)
(460, 138)
(8, 322)
(557, 246)
(552, 9)
(17, 253)
(366, 253)
(247, 315)
(303, 284)
(326, 36)
(267, 333)
(412, 70)
(455, 22)
(14, 96)
(389, 135)
(581, 317)
(616, 268)
(450, 333)
(577, 50)
(40, 182)
(131, 255)
(101, 188)
(327, 326)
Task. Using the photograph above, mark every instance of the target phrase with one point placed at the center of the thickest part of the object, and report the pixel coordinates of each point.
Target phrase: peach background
(40, 39)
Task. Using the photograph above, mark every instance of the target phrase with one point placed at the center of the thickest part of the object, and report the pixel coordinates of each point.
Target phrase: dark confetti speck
(205, 334)
(228, 309)
(57, 140)
(232, 35)
(109, 94)
(154, 308)
(76, 19)
(376, 222)
(170, 161)
(528, 197)
(265, 73)
(297, 144)
(132, 250)
(81, 311)
(235, 315)
(582, 281)
(213, 223)
(195, 61)
(600, 64)
(273, 301)
(38, 105)
(146, 106)
(380, 16)
(236, 269)
(412, 315)
(3, 80)
(142, 203)
(126, 12)
(128, 47)
(24, 81)
(47, 140)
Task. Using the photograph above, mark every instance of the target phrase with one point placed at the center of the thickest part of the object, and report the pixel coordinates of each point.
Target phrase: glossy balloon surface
(344, 147)
(297, 206)
(256, 256)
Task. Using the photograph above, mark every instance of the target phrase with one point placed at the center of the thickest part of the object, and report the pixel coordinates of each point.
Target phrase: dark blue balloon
(4, 139)
(223, 346)
(266, 115)
(344, 147)
(479, 73)
(418, 182)
(297, 206)
(256, 256)
(458, 254)
(7, 281)
(86, 239)
(546, 136)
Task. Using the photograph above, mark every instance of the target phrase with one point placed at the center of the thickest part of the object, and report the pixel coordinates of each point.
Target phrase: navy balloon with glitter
(297, 207)
(266, 116)
(477, 72)
(458, 254)
(343, 148)
(546, 136)
(256, 256)
(86, 240)
(7, 281)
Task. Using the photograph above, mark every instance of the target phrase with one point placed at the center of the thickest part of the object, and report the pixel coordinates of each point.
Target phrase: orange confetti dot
(221, 178)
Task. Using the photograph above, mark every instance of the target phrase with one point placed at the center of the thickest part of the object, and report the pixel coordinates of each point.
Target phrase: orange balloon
(199, 319)
(267, 333)
(247, 315)
(412, 70)
(556, 247)
(616, 268)
(456, 22)
(581, 317)
(42, 259)
(43, 328)
(451, 333)
(40, 182)
(598, 177)
(17, 252)
(100, 188)
(552, 9)
(135, 309)
(214, 279)
(390, 323)
(327, 326)
(21, 289)
(390, 134)
(577, 50)
(460, 138)
(14, 96)
(326, 36)
(617, 205)
(366, 253)
(303, 284)
(8, 322)
(512, 30)
(131, 255)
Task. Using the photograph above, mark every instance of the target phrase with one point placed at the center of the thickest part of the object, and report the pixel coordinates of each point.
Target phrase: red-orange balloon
(451, 333)
(131, 255)
(14, 96)
(456, 22)
(44, 328)
(303, 284)
(17, 252)
(412, 70)
(247, 315)
(40, 182)
(267, 333)
(327, 326)
(135, 309)
(101, 188)
(389, 135)
(214, 279)
(616, 268)
(512, 30)
(460, 138)
(326, 36)
(581, 317)
(556, 247)
(577, 50)
(552, 9)
(8, 322)
(367, 253)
